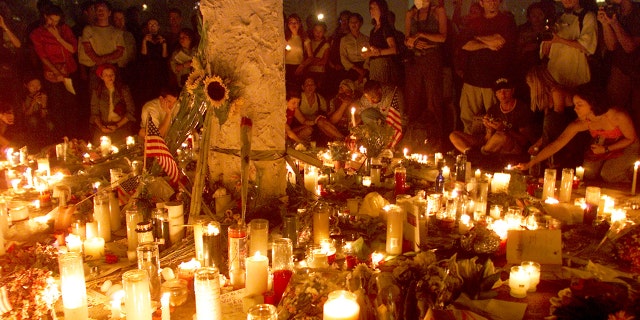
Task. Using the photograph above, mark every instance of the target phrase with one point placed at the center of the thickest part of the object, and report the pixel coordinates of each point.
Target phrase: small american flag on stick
(394, 119)
(156, 147)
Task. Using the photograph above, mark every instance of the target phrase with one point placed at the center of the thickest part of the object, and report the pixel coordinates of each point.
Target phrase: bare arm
(12, 37)
(569, 132)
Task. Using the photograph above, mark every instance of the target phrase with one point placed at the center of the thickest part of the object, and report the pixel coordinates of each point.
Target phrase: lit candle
(92, 231)
(635, 177)
(198, 225)
(341, 305)
(500, 182)
(94, 248)
(366, 181)
(376, 258)
(320, 16)
(43, 165)
(405, 152)
(164, 301)
(257, 274)
(549, 187)
(137, 295)
(618, 215)
(465, 224)
(72, 286)
(580, 173)
(258, 236)
(116, 305)
(566, 185)
(496, 212)
(518, 282)
(321, 224)
(364, 49)
(477, 174)
(395, 224)
(212, 245)
(74, 243)
(353, 116)
(592, 200)
(310, 178)
(102, 215)
(533, 269)
(287, 47)
(446, 172)
(131, 141)
(105, 145)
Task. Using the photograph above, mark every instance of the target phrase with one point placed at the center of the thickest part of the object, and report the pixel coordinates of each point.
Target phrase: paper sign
(542, 246)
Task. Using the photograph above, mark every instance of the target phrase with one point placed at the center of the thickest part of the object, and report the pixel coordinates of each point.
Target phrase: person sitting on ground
(376, 100)
(508, 127)
(162, 110)
(340, 106)
(301, 133)
(6, 120)
(313, 106)
(615, 144)
(37, 118)
(112, 108)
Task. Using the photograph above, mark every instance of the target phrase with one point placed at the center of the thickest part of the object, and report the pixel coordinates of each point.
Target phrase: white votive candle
(533, 269)
(518, 282)
(94, 248)
(257, 277)
(341, 305)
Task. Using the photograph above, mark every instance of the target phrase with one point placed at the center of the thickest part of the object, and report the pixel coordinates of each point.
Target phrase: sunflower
(194, 80)
(216, 90)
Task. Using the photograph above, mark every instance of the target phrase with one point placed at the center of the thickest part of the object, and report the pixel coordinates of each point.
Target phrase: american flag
(126, 189)
(156, 147)
(394, 119)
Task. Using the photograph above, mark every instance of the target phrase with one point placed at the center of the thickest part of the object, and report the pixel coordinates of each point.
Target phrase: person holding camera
(154, 70)
(621, 32)
(508, 126)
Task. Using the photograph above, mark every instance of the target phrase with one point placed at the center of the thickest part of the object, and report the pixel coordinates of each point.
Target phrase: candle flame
(636, 165)
(320, 16)
(353, 110)
(364, 49)
(376, 258)
(551, 200)
(212, 229)
(192, 264)
(288, 48)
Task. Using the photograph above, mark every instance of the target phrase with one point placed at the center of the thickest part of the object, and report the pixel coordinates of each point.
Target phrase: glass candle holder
(133, 218)
(258, 236)
(178, 292)
(137, 296)
(341, 305)
(207, 290)
(321, 224)
(395, 224)
(198, 226)
(149, 260)
(566, 185)
(592, 200)
(533, 268)
(289, 228)
(257, 274)
(72, 286)
(237, 254)
(518, 282)
(212, 245)
(262, 312)
(549, 187)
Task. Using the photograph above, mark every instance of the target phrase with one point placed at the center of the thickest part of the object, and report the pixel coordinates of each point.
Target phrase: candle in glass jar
(500, 182)
(635, 177)
(465, 224)
(310, 178)
(164, 306)
(341, 305)
(549, 188)
(258, 236)
(580, 173)
(395, 224)
(94, 248)
(102, 215)
(74, 243)
(533, 269)
(137, 295)
(353, 116)
(212, 245)
(518, 282)
(257, 274)
(366, 181)
(446, 172)
(72, 286)
(566, 185)
(320, 224)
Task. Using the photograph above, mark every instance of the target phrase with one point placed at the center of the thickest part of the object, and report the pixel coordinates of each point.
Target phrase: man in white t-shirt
(161, 110)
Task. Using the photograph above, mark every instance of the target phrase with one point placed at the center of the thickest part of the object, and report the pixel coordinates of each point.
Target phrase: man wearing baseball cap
(508, 125)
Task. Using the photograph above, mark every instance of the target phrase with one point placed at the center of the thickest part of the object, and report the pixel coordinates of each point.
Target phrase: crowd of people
(91, 79)
(560, 89)
(474, 81)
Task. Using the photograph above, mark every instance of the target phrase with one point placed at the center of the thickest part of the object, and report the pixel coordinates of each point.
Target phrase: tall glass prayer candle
(580, 173)
(549, 188)
(321, 223)
(500, 182)
(237, 254)
(395, 223)
(94, 248)
(207, 291)
(310, 178)
(289, 228)
(282, 265)
(258, 236)
(533, 268)
(149, 260)
(176, 221)
(212, 245)
(341, 305)
(375, 172)
(160, 221)
(566, 185)
(400, 180)
(198, 226)
(114, 211)
(72, 286)
(137, 296)
(257, 277)
(102, 215)
(133, 218)
(592, 200)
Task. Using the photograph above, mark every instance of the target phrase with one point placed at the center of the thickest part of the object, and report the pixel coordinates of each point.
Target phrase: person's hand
(410, 41)
(545, 47)
(492, 124)
(54, 31)
(604, 18)
(3, 25)
(41, 98)
(148, 38)
(107, 128)
(160, 39)
(598, 149)
(299, 70)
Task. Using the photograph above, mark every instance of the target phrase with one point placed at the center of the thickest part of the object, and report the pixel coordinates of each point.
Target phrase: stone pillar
(246, 41)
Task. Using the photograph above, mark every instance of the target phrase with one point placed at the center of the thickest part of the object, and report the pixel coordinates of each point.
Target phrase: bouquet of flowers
(374, 138)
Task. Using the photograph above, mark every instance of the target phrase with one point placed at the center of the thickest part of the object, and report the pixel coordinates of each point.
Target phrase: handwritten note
(542, 246)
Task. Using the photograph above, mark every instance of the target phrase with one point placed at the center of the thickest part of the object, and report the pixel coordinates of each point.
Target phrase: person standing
(426, 30)
(351, 46)
(488, 44)
(575, 39)
(382, 45)
(56, 45)
(621, 33)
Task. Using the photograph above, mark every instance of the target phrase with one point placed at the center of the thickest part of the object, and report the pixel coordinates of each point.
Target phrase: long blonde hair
(541, 85)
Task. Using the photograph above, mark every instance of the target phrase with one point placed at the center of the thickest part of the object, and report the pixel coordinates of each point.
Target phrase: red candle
(280, 281)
